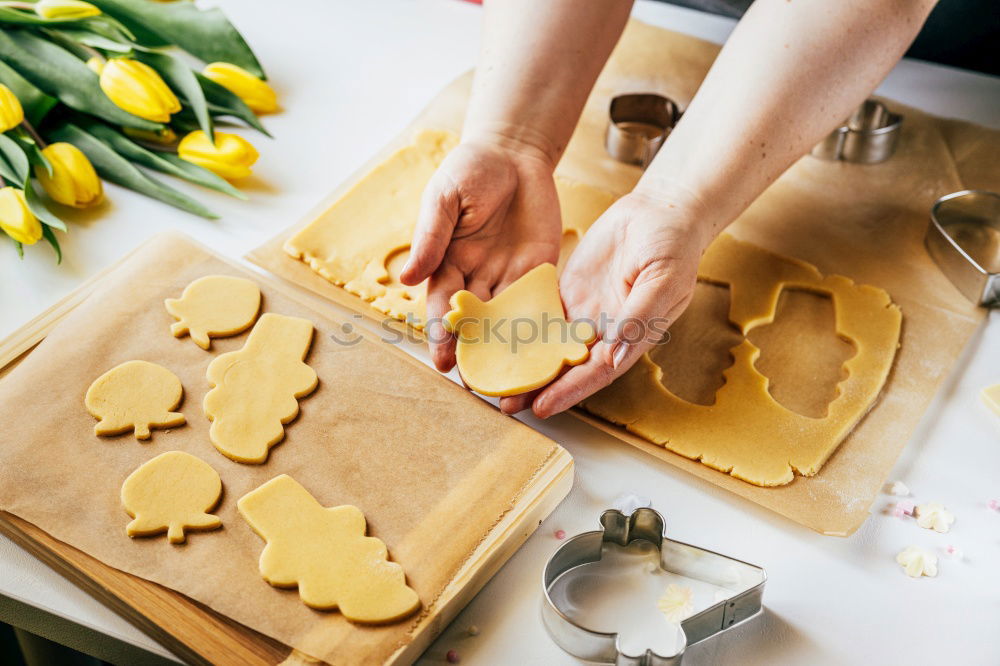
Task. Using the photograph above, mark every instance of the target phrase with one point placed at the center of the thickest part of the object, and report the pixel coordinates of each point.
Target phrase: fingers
(442, 284)
(578, 383)
(517, 403)
(439, 211)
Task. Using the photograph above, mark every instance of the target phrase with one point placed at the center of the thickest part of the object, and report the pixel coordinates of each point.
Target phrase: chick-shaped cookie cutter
(963, 237)
(638, 125)
(869, 136)
(746, 581)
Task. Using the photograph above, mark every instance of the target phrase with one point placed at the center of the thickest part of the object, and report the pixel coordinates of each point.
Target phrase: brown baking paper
(863, 221)
(432, 467)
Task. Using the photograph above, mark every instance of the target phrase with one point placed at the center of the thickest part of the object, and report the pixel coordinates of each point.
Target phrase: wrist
(520, 141)
(680, 207)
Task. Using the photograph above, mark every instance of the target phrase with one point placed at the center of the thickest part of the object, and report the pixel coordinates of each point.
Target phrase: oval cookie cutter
(745, 581)
(963, 237)
(639, 123)
(869, 136)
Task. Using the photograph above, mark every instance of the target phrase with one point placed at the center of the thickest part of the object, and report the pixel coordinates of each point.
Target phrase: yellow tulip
(255, 93)
(16, 219)
(73, 181)
(163, 137)
(96, 64)
(137, 88)
(11, 113)
(230, 157)
(65, 9)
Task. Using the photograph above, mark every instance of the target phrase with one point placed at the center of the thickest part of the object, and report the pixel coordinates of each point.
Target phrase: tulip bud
(65, 9)
(255, 93)
(230, 157)
(137, 88)
(11, 113)
(95, 64)
(73, 181)
(16, 219)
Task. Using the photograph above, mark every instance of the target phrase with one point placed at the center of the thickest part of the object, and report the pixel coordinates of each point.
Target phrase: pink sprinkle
(452, 657)
(993, 504)
(560, 534)
(904, 508)
(950, 549)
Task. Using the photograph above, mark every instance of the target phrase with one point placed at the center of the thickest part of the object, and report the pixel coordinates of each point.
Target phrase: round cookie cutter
(869, 136)
(745, 581)
(639, 123)
(963, 237)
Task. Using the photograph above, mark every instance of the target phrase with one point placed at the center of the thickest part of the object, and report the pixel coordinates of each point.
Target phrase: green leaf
(20, 246)
(223, 102)
(36, 206)
(31, 150)
(183, 81)
(50, 236)
(17, 162)
(93, 40)
(35, 103)
(60, 74)
(29, 19)
(113, 167)
(164, 162)
(205, 34)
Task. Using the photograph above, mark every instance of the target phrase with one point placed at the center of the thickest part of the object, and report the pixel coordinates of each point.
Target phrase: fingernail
(619, 354)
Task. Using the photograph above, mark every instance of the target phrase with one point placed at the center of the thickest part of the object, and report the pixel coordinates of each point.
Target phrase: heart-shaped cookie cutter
(869, 136)
(963, 237)
(746, 581)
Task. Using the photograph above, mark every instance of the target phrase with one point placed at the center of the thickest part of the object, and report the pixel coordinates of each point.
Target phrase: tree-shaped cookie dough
(256, 389)
(214, 306)
(324, 551)
(170, 493)
(136, 395)
(519, 340)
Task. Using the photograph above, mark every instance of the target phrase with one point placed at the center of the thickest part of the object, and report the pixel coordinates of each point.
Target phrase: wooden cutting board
(199, 635)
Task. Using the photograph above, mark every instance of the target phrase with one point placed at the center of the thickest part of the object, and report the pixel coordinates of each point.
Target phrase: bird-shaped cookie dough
(214, 306)
(519, 340)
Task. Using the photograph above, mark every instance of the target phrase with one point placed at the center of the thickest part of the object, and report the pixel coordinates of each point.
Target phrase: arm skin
(789, 74)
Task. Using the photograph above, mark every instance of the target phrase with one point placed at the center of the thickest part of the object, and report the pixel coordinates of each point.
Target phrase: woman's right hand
(488, 216)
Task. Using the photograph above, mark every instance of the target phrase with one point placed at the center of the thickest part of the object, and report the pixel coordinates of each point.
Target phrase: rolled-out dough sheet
(360, 239)
(745, 431)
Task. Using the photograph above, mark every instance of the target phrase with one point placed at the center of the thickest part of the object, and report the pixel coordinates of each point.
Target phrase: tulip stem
(33, 133)
(18, 5)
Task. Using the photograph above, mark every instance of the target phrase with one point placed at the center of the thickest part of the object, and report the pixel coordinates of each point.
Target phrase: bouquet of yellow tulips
(93, 90)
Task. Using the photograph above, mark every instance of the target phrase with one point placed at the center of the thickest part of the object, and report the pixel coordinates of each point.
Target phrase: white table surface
(350, 76)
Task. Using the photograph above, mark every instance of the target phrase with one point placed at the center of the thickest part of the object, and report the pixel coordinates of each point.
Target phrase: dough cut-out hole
(695, 356)
(801, 353)
(394, 265)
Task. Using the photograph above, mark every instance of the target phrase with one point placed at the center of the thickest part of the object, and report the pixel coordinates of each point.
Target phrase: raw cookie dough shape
(214, 306)
(325, 553)
(136, 395)
(352, 243)
(746, 432)
(170, 493)
(256, 389)
(519, 340)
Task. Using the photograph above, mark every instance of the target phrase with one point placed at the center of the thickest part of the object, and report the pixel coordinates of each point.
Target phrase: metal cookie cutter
(869, 136)
(746, 582)
(964, 239)
(639, 124)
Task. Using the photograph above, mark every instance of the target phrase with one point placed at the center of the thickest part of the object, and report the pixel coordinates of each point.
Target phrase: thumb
(650, 309)
(439, 211)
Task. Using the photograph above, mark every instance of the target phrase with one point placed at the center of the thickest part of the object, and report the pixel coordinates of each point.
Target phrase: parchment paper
(866, 222)
(432, 467)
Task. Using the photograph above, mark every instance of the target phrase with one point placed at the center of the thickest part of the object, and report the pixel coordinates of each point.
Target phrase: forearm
(790, 73)
(538, 62)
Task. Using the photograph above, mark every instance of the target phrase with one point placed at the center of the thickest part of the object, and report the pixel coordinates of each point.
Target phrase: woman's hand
(488, 216)
(632, 274)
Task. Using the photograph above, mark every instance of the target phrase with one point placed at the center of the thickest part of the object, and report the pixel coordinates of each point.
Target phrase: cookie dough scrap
(137, 396)
(256, 389)
(325, 553)
(214, 306)
(356, 241)
(519, 340)
(173, 492)
(746, 433)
